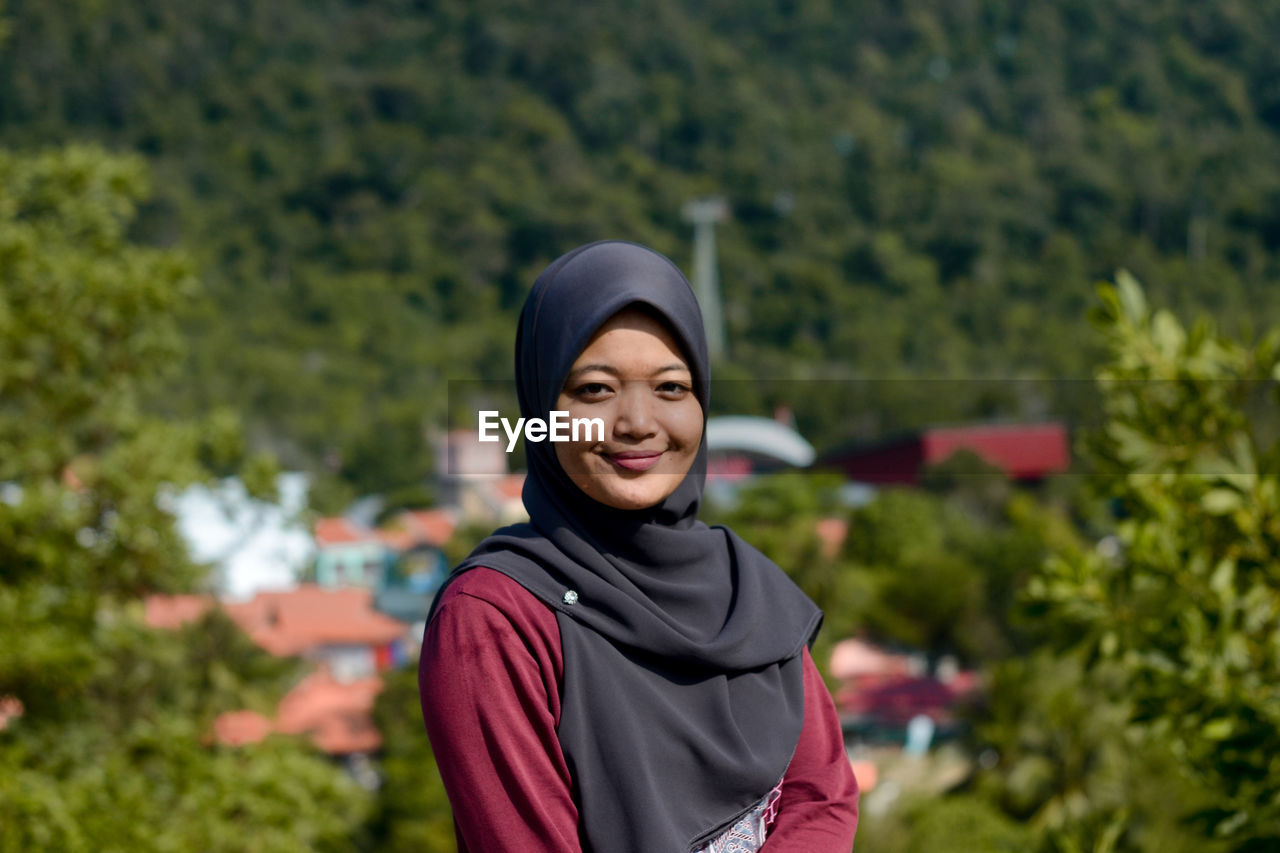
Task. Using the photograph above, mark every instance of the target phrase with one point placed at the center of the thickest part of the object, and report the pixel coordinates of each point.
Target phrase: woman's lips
(639, 460)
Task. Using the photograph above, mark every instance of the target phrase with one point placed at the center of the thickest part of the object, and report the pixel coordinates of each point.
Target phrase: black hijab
(683, 693)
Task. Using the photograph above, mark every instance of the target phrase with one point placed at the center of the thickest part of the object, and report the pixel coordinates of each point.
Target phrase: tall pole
(704, 213)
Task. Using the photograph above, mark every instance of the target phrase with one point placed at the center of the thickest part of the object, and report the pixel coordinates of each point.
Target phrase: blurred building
(348, 554)
(472, 477)
(417, 564)
(338, 630)
(402, 562)
(337, 715)
(881, 691)
(1024, 452)
(739, 446)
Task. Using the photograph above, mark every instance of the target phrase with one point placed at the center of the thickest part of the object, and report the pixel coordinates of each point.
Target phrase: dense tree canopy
(1187, 604)
(112, 750)
(369, 188)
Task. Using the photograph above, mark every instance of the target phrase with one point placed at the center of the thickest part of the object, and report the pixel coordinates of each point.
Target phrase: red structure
(881, 691)
(337, 629)
(311, 620)
(1023, 451)
(336, 715)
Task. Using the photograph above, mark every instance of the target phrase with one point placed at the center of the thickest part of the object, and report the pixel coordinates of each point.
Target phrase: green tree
(1187, 601)
(113, 749)
(412, 813)
(945, 571)
(917, 189)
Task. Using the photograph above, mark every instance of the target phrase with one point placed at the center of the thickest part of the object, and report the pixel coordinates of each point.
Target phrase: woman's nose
(635, 415)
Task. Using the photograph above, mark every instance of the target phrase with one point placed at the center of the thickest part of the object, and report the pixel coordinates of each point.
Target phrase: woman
(615, 675)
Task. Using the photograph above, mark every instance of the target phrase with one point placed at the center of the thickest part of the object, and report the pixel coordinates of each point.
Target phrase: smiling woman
(632, 375)
(616, 676)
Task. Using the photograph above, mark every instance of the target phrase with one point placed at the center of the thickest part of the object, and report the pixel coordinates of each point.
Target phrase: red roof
(396, 540)
(896, 699)
(1023, 451)
(427, 526)
(511, 487)
(728, 466)
(337, 715)
(173, 611)
(291, 622)
(237, 728)
(341, 531)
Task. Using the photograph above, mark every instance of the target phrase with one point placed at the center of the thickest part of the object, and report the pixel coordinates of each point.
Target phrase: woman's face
(634, 377)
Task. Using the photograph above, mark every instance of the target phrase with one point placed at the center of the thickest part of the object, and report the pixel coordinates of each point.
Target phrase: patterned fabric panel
(749, 833)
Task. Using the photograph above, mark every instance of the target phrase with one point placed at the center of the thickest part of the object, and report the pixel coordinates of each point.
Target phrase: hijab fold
(683, 693)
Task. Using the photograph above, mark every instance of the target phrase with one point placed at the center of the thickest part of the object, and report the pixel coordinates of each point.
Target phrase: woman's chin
(630, 493)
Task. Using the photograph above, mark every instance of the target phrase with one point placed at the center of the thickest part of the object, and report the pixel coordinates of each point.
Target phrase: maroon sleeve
(489, 682)
(818, 811)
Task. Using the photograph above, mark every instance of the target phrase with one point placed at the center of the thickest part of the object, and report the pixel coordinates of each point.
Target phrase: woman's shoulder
(487, 622)
(482, 588)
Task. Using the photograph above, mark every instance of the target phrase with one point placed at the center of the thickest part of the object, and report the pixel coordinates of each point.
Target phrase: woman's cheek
(686, 425)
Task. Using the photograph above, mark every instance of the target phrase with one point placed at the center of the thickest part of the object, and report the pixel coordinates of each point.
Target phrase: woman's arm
(488, 683)
(818, 811)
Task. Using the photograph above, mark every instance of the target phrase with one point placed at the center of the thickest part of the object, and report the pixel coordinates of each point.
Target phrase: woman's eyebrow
(587, 368)
(613, 371)
(670, 367)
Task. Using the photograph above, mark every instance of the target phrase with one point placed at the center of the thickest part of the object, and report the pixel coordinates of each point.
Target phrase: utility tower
(704, 213)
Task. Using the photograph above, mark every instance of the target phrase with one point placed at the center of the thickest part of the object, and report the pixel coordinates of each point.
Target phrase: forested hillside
(367, 189)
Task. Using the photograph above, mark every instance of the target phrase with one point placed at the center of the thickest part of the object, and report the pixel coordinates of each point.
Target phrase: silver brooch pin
(570, 597)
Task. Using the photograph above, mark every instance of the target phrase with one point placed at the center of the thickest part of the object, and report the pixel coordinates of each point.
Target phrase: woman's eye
(673, 389)
(592, 391)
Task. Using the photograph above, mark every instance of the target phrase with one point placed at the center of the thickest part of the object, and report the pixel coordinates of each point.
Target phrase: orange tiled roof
(396, 539)
(294, 621)
(337, 716)
(511, 487)
(430, 526)
(237, 728)
(174, 611)
(340, 531)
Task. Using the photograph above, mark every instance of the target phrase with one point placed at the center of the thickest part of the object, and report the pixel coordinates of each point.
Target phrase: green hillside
(369, 188)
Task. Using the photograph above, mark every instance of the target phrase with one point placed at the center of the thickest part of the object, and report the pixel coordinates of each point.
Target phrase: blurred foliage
(126, 764)
(405, 498)
(918, 191)
(412, 813)
(939, 572)
(464, 540)
(959, 823)
(1133, 695)
(946, 578)
(370, 188)
(113, 750)
(1073, 769)
(1188, 602)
